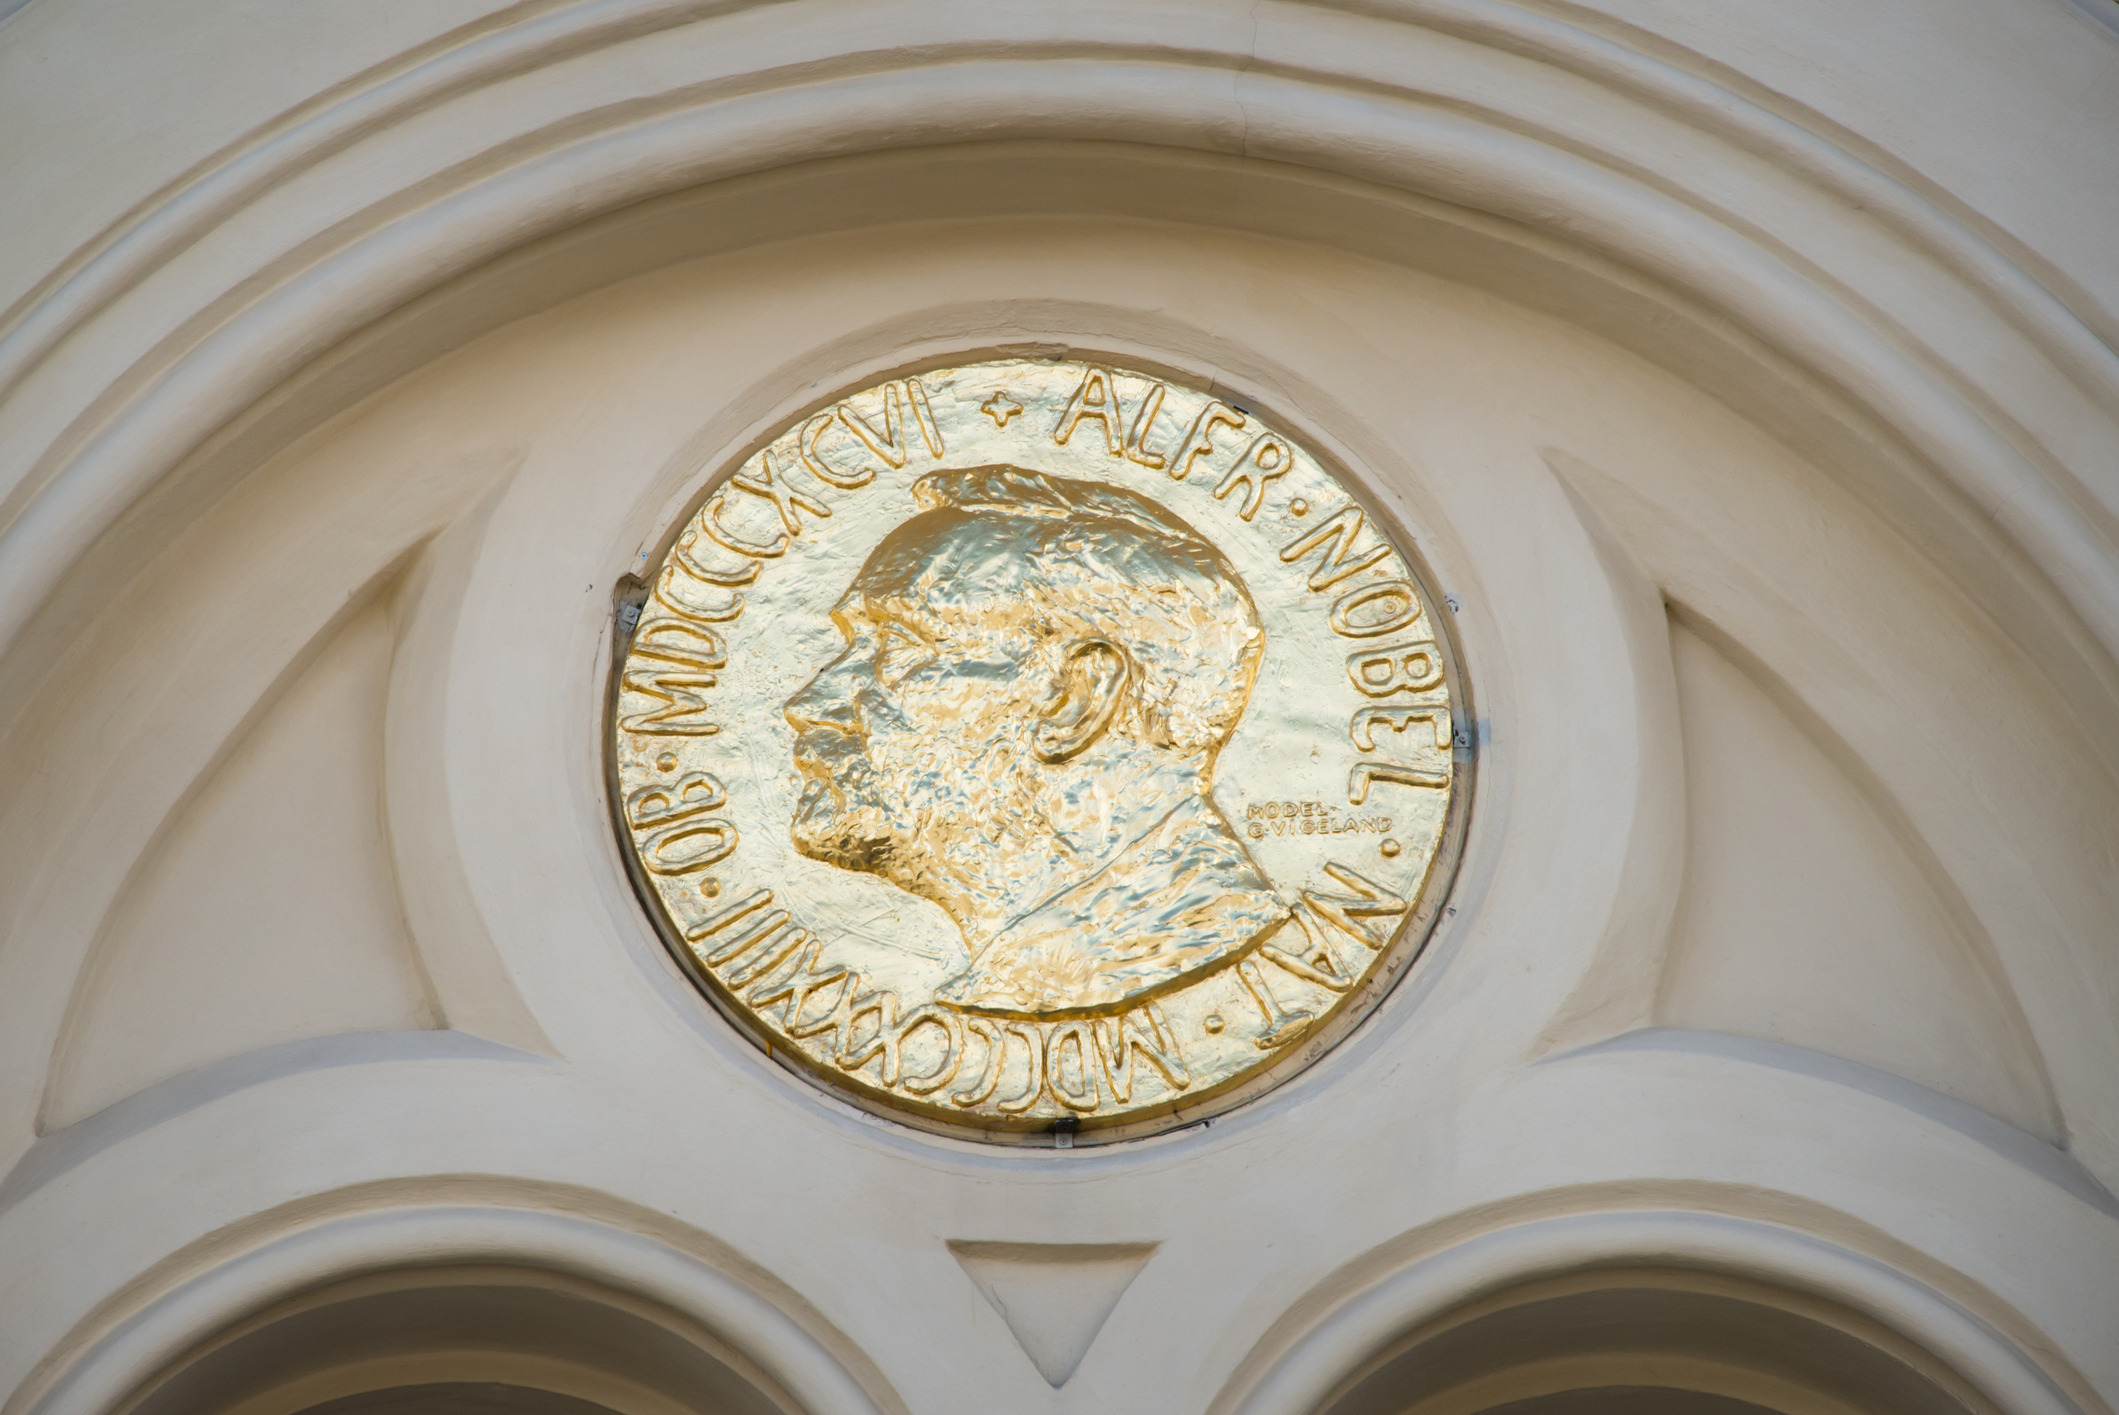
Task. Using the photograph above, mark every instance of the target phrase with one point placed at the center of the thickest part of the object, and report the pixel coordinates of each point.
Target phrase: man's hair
(1112, 564)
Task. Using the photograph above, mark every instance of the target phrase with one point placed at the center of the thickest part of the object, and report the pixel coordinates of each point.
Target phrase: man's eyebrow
(905, 613)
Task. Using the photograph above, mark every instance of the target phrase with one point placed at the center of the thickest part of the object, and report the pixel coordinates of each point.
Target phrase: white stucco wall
(1747, 376)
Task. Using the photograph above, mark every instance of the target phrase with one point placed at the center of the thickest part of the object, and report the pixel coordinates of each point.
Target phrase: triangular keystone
(1053, 1296)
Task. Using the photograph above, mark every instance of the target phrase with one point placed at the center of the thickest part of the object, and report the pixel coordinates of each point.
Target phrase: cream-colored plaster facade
(1747, 375)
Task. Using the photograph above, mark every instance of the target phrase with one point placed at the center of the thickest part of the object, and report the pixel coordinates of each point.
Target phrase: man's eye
(897, 654)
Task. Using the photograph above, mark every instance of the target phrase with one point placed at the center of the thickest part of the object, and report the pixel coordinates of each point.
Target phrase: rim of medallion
(1395, 960)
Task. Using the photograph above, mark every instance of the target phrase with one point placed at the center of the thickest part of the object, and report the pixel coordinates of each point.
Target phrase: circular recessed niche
(1039, 751)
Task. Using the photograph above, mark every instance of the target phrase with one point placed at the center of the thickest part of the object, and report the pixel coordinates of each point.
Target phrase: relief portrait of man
(1039, 672)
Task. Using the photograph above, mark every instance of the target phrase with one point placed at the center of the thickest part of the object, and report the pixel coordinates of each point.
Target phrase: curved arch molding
(1317, 1352)
(1942, 379)
(369, 198)
(142, 1334)
(1933, 366)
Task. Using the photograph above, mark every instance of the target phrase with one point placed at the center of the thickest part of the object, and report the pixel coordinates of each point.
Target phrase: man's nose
(828, 700)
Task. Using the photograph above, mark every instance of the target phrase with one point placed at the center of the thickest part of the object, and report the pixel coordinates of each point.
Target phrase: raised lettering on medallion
(1039, 749)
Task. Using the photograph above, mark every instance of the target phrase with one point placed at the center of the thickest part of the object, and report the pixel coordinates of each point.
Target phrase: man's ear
(1092, 685)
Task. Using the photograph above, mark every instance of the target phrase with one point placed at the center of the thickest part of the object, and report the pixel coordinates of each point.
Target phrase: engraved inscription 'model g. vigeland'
(1039, 749)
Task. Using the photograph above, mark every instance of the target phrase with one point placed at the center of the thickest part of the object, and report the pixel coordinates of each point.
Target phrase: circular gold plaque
(1039, 749)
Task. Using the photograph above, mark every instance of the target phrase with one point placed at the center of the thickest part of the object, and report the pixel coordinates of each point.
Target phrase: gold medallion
(1039, 750)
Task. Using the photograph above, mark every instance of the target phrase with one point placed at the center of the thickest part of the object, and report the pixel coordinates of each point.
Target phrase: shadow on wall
(469, 1339)
(1653, 1342)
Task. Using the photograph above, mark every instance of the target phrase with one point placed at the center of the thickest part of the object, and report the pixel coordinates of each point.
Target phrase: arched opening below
(1654, 1342)
(458, 1398)
(463, 1341)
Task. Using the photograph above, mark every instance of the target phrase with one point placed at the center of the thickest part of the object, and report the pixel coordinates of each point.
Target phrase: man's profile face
(915, 738)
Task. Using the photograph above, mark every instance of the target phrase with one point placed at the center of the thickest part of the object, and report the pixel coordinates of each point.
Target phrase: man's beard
(929, 818)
